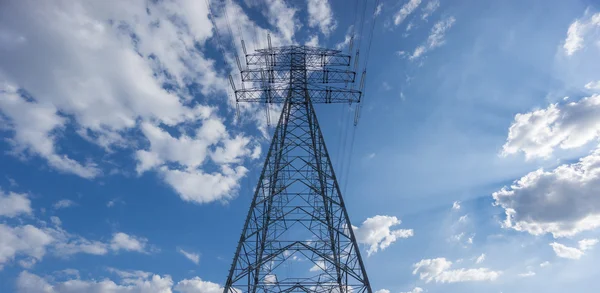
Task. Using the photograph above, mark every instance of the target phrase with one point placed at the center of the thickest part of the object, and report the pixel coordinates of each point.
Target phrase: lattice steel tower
(297, 236)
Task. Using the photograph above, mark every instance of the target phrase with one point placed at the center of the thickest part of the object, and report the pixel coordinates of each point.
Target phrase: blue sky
(125, 169)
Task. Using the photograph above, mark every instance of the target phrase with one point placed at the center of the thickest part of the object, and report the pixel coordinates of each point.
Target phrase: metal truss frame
(297, 218)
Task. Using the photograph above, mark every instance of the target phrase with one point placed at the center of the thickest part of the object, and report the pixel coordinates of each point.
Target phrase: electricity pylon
(297, 236)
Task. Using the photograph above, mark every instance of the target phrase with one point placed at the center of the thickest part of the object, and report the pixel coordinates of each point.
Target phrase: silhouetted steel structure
(297, 236)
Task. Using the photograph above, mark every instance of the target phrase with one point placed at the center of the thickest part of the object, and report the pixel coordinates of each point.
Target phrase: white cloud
(456, 205)
(578, 31)
(430, 8)
(544, 264)
(438, 270)
(199, 187)
(34, 124)
(593, 85)
(438, 31)
(382, 291)
(376, 232)
(470, 240)
(564, 251)
(567, 126)
(63, 203)
(319, 266)
(194, 257)
(29, 244)
(347, 39)
(122, 241)
(31, 283)
(111, 203)
(24, 240)
(405, 11)
(320, 15)
(414, 290)
(378, 9)
(480, 259)
(435, 38)
(574, 40)
(197, 285)
(586, 244)
(103, 72)
(418, 52)
(527, 274)
(563, 201)
(209, 141)
(313, 41)
(55, 220)
(14, 204)
(283, 17)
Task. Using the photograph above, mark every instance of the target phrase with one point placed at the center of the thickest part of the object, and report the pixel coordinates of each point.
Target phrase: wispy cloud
(405, 11)
(577, 32)
(564, 251)
(194, 257)
(64, 203)
(430, 8)
(435, 38)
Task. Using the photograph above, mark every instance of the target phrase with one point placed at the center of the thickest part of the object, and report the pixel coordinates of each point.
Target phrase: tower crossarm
(279, 93)
(282, 75)
(278, 56)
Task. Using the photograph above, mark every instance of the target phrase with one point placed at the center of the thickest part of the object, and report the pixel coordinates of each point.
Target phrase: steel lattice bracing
(297, 236)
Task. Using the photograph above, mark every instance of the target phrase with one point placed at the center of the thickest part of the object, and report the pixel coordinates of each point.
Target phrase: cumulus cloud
(377, 234)
(283, 17)
(320, 15)
(567, 126)
(564, 251)
(23, 240)
(435, 39)
(578, 31)
(34, 125)
(31, 283)
(563, 201)
(14, 204)
(209, 141)
(197, 285)
(122, 241)
(107, 68)
(438, 270)
(28, 244)
(194, 257)
(405, 11)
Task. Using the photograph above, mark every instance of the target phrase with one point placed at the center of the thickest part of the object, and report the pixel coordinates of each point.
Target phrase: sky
(126, 165)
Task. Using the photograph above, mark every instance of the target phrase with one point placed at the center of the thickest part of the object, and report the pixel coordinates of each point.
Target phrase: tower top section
(276, 73)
